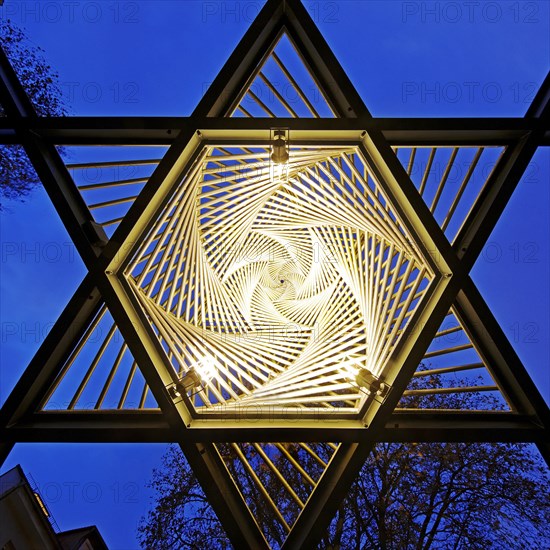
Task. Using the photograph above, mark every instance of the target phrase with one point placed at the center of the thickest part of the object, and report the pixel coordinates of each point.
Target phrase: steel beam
(148, 426)
(405, 132)
(428, 426)
(92, 427)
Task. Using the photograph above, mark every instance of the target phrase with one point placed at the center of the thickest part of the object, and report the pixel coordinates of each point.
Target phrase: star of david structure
(276, 275)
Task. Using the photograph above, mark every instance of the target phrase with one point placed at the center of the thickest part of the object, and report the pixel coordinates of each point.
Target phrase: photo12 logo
(467, 92)
(50, 252)
(95, 92)
(470, 12)
(69, 11)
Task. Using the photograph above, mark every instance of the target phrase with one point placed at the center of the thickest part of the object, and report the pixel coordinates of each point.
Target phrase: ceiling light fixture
(195, 379)
(365, 379)
(279, 147)
(191, 381)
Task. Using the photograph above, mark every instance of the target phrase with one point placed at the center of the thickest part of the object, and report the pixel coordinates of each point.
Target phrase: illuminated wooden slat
(260, 485)
(312, 453)
(110, 184)
(127, 384)
(112, 202)
(295, 464)
(261, 104)
(448, 350)
(448, 331)
(459, 389)
(276, 93)
(443, 180)
(114, 221)
(295, 85)
(111, 376)
(411, 161)
(92, 367)
(248, 114)
(143, 397)
(427, 171)
(446, 370)
(278, 475)
(461, 189)
(320, 92)
(74, 354)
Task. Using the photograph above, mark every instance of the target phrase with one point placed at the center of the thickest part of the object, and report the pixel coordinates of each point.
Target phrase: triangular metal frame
(19, 418)
(291, 17)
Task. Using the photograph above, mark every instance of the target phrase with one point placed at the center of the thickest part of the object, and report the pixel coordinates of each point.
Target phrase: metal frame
(23, 418)
(138, 130)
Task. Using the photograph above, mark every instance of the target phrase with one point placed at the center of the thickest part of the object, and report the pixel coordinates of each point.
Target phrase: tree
(445, 495)
(182, 516)
(407, 496)
(41, 83)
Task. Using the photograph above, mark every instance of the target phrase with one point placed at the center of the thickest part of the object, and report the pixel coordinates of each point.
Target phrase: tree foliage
(182, 516)
(408, 496)
(448, 496)
(41, 83)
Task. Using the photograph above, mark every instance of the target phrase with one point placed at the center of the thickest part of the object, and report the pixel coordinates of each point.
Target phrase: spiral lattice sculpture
(278, 282)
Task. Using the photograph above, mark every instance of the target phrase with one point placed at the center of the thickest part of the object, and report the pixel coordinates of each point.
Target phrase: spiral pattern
(283, 279)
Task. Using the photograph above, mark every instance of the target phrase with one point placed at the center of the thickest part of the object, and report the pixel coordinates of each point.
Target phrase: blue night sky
(407, 59)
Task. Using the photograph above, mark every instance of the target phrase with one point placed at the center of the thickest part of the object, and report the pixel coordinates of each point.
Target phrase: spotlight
(190, 381)
(279, 147)
(367, 380)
